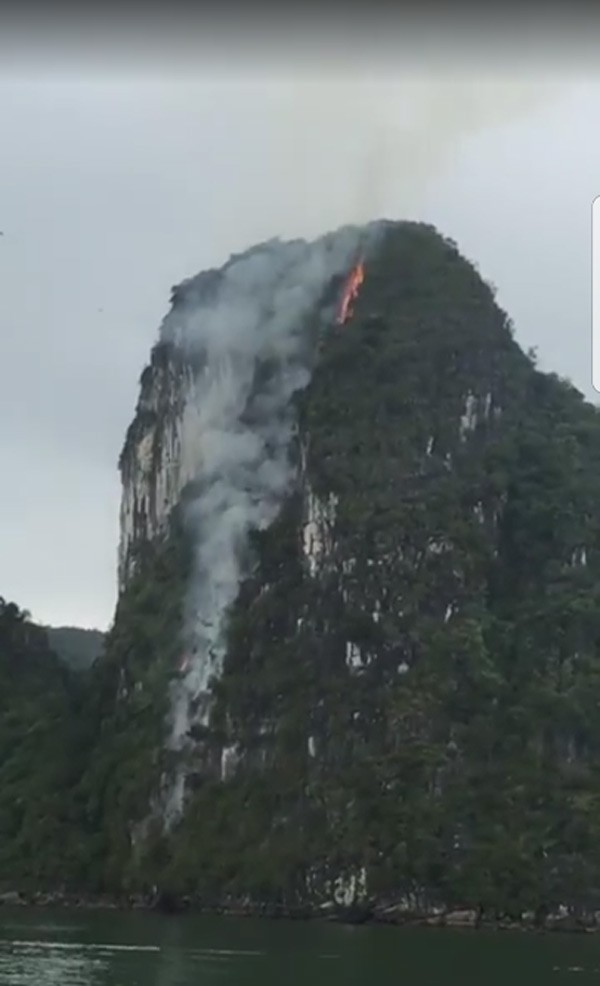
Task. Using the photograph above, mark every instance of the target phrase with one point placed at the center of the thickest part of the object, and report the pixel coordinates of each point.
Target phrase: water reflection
(106, 949)
(34, 963)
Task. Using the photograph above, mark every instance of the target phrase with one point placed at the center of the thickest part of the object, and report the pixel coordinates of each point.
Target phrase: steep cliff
(355, 656)
(216, 419)
(404, 692)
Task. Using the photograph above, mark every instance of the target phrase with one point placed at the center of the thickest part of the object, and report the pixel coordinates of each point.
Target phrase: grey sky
(112, 190)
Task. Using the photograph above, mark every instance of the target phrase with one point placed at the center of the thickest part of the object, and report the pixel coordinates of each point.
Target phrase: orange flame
(357, 276)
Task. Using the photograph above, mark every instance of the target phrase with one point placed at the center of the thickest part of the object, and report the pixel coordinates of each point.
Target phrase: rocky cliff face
(157, 460)
(163, 447)
(215, 417)
(388, 670)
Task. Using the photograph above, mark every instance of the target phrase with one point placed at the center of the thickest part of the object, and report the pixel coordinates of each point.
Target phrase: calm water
(42, 948)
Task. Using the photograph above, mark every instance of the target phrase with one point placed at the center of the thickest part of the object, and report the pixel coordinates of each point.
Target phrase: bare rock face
(156, 461)
(232, 327)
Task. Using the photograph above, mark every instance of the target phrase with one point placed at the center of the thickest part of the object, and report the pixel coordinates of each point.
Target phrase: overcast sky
(114, 187)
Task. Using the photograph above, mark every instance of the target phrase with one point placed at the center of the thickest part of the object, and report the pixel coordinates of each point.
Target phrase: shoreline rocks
(397, 914)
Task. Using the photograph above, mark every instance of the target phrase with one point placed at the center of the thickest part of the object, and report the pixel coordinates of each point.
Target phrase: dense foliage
(460, 756)
(40, 759)
(425, 708)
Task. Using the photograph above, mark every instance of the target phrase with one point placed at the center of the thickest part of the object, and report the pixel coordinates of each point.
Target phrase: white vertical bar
(596, 293)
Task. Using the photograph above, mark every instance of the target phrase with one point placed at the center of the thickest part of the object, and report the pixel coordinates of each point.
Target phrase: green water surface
(89, 948)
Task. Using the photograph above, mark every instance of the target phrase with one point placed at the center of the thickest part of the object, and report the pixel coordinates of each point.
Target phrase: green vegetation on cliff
(424, 707)
(459, 754)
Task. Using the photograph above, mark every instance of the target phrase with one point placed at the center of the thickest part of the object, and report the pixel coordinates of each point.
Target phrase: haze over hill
(78, 647)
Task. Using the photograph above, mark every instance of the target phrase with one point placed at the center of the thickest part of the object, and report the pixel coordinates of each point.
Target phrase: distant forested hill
(42, 754)
(77, 647)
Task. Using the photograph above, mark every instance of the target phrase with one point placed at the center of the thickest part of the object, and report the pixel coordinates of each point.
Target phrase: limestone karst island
(354, 668)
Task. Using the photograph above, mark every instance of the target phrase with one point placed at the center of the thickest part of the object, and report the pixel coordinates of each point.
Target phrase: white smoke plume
(326, 150)
(252, 345)
(337, 153)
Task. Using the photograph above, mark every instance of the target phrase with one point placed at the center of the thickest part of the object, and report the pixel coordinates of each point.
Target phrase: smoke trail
(357, 149)
(420, 128)
(329, 150)
(251, 343)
